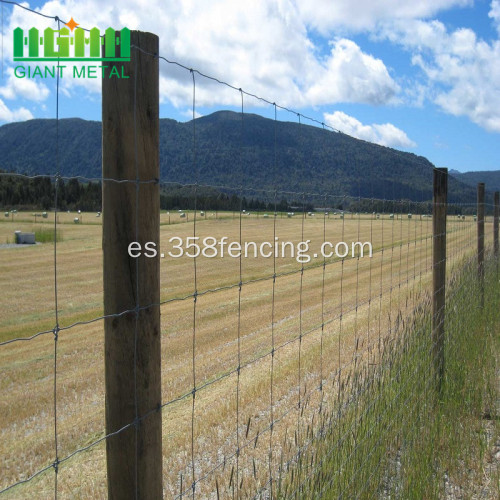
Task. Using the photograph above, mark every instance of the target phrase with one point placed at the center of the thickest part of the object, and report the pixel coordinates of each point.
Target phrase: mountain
(490, 177)
(249, 152)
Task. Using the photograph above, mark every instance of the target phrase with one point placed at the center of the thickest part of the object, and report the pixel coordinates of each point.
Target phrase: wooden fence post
(439, 209)
(495, 225)
(480, 238)
(131, 211)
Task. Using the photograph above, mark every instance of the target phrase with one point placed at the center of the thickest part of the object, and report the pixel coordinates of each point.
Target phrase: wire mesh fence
(295, 336)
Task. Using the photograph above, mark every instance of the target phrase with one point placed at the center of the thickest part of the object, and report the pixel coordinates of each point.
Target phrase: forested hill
(490, 177)
(253, 152)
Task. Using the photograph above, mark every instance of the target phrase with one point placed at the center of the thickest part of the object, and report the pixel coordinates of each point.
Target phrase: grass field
(326, 316)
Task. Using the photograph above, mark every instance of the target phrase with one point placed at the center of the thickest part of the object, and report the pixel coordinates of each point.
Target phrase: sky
(422, 77)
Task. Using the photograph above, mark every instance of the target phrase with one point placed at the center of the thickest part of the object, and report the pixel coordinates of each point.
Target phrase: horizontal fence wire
(312, 359)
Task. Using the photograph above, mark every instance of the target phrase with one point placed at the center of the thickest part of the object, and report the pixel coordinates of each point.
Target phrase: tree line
(39, 193)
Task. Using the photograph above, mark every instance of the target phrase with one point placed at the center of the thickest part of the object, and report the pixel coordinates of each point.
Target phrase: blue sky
(422, 77)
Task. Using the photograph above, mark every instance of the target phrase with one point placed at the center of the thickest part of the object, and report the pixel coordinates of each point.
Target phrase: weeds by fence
(392, 435)
(279, 378)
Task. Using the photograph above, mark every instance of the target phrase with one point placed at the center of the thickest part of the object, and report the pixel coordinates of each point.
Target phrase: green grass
(46, 235)
(42, 235)
(390, 434)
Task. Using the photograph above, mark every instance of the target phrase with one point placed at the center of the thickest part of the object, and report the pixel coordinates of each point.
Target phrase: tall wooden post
(439, 209)
(131, 212)
(480, 238)
(496, 201)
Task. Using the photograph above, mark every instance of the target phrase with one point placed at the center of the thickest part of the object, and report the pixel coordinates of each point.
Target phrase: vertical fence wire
(340, 334)
(195, 299)
(56, 304)
(273, 302)
(326, 212)
(350, 378)
(299, 346)
(240, 273)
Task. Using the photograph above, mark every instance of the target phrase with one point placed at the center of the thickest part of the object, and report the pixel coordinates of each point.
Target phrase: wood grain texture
(130, 140)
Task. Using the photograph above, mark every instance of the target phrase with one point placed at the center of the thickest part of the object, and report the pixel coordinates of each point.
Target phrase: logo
(78, 46)
(71, 44)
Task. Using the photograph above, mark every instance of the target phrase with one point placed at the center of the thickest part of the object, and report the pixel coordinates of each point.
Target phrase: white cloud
(27, 88)
(16, 115)
(188, 114)
(326, 16)
(350, 75)
(463, 70)
(416, 94)
(495, 13)
(384, 134)
(261, 46)
(264, 47)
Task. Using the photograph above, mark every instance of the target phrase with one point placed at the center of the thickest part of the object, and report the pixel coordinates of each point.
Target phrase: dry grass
(357, 301)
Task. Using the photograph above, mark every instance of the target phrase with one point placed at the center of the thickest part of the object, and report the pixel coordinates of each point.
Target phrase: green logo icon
(64, 45)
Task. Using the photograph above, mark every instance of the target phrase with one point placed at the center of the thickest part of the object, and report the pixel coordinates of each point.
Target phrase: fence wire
(264, 363)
